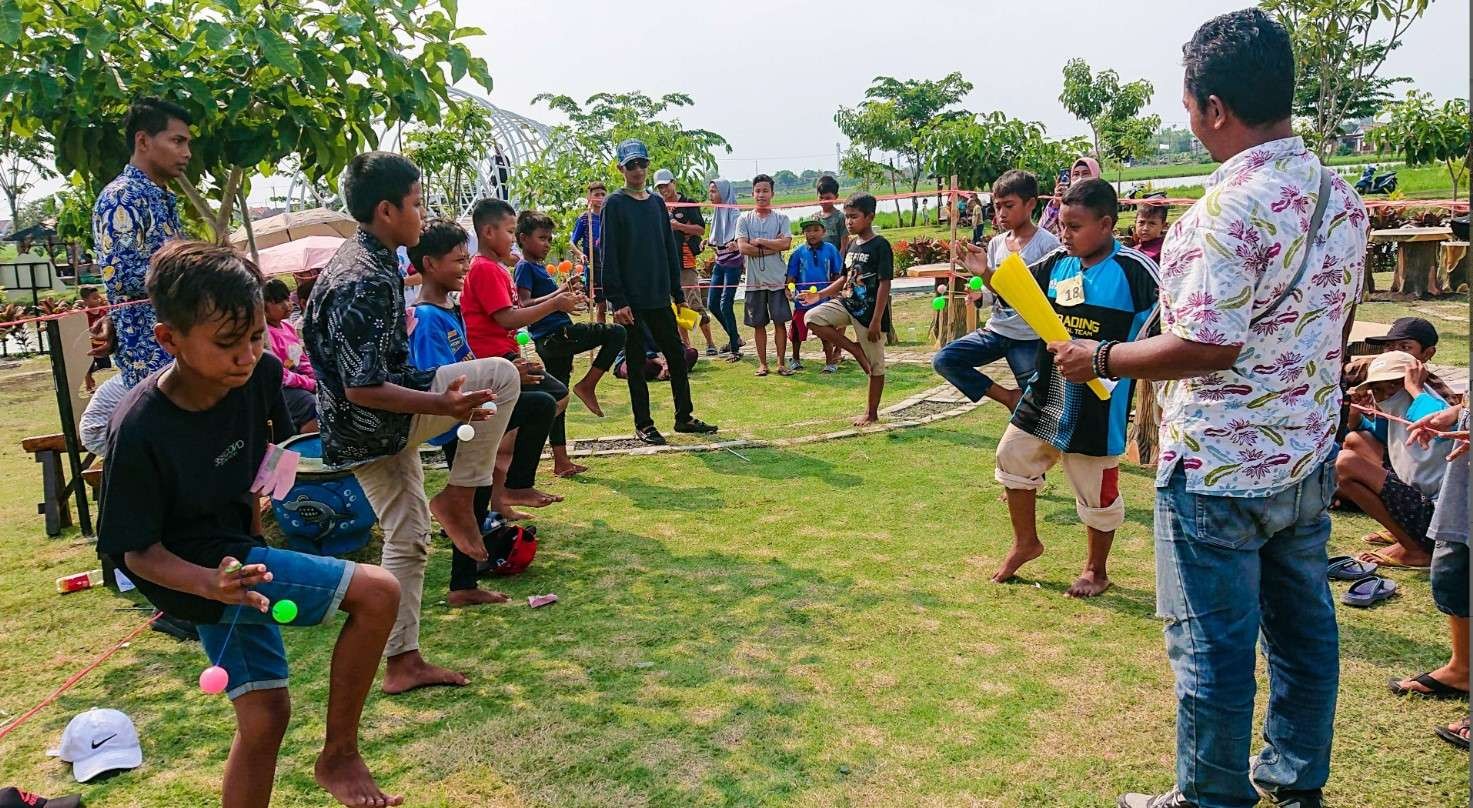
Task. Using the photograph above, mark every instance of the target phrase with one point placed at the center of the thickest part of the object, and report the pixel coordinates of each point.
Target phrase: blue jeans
(959, 360)
(720, 300)
(1230, 570)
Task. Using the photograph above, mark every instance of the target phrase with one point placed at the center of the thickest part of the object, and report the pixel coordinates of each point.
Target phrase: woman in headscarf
(1083, 169)
(726, 273)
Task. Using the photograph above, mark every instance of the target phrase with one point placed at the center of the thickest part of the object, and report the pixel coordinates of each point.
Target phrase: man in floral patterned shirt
(1255, 312)
(133, 217)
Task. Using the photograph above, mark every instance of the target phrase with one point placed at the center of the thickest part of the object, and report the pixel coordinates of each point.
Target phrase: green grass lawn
(814, 627)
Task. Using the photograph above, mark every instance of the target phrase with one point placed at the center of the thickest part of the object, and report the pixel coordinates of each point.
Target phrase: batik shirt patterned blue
(133, 217)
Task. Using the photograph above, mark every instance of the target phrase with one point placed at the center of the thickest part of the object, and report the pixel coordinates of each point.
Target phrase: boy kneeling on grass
(1105, 292)
(863, 300)
(179, 518)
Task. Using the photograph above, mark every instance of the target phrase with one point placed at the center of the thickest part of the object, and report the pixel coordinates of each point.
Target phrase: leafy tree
(22, 163)
(786, 179)
(264, 81)
(1428, 134)
(451, 155)
(582, 150)
(1109, 108)
(897, 116)
(979, 148)
(1339, 47)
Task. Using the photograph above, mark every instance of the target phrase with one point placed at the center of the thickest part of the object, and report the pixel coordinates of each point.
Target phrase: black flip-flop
(1368, 591)
(1454, 738)
(1435, 689)
(1349, 568)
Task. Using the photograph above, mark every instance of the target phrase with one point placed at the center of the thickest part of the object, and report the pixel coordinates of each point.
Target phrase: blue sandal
(1349, 568)
(1368, 591)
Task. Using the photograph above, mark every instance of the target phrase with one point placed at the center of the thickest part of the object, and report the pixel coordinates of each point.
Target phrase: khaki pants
(1022, 460)
(833, 314)
(395, 485)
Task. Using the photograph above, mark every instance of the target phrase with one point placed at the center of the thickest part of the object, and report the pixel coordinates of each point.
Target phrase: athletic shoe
(794, 364)
(651, 436)
(710, 350)
(1171, 799)
(830, 368)
(696, 426)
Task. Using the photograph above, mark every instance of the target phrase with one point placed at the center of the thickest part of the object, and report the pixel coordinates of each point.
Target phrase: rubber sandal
(1455, 738)
(1435, 689)
(785, 371)
(1346, 568)
(1379, 538)
(1368, 591)
(760, 372)
(1378, 557)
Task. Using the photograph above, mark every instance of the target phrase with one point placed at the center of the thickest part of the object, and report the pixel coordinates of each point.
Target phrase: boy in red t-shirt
(492, 317)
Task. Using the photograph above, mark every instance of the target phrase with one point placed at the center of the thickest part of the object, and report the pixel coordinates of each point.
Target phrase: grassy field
(806, 627)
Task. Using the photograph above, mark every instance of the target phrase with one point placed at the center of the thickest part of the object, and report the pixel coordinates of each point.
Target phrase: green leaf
(465, 31)
(278, 53)
(313, 70)
(459, 62)
(215, 35)
(10, 22)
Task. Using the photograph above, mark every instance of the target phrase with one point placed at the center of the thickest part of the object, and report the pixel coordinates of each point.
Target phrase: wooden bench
(56, 489)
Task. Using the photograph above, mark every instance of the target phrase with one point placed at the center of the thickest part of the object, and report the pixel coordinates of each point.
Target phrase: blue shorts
(252, 653)
(1450, 578)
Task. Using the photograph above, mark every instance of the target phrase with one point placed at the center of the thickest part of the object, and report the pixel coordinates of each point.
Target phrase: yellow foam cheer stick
(1015, 285)
(687, 317)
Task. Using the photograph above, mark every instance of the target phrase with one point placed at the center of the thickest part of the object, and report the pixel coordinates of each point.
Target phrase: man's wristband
(1101, 360)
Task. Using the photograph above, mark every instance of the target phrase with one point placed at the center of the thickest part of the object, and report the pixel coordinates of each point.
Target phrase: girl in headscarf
(727, 271)
(1084, 168)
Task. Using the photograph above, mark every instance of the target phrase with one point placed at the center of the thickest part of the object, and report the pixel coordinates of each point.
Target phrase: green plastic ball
(284, 611)
(523, 338)
(975, 284)
(938, 303)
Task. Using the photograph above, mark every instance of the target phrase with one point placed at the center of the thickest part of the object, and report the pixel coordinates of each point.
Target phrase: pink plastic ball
(214, 679)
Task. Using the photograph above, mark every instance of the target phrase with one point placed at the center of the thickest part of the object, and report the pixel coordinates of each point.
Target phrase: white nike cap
(98, 741)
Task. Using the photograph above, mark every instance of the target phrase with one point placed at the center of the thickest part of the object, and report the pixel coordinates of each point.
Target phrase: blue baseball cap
(631, 150)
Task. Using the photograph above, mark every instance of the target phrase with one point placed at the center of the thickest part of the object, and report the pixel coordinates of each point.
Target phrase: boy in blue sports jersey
(441, 258)
(815, 263)
(1101, 291)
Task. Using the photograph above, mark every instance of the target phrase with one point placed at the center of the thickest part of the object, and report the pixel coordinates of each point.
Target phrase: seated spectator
(298, 381)
(1402, 496)
(99, 411)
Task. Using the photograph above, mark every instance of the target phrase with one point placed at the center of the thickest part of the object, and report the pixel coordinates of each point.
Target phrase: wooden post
(945, 330)
(61, 379)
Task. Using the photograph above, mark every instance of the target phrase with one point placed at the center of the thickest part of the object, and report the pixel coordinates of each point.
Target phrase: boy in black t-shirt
(863, 300)
(179, 518)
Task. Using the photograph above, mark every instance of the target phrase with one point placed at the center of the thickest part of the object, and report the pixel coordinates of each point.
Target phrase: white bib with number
(1070, 292)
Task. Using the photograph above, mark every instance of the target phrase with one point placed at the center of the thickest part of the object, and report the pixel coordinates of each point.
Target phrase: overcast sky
(768, 75)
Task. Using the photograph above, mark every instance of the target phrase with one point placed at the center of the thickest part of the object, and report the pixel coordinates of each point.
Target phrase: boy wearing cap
(1403, 497)
(641, 273)
(814, 264)
(1365, 434)
(689, 226)
(762, 236)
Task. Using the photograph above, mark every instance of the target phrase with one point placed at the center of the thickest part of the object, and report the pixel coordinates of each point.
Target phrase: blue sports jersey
(1120, 299)
(438, 339)
(809, 267)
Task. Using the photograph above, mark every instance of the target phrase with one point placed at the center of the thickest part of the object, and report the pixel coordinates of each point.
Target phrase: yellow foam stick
(1015, 285)
(687, 317)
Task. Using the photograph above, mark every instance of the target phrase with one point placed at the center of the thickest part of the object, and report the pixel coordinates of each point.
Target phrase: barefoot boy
(179, 518)
(375, 409)
(864, 293)
(1107, 293)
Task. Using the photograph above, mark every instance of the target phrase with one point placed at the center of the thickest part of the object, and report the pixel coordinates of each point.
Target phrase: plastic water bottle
(79, 581)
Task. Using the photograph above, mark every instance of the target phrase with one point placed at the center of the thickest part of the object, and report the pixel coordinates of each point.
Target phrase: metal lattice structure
(519, 141)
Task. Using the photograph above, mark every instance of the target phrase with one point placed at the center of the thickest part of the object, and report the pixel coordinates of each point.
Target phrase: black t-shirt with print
(688, 215)
(866, 265)
(183, 479)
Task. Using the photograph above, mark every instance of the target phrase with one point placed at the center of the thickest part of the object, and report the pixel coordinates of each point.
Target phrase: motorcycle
(1369, 183)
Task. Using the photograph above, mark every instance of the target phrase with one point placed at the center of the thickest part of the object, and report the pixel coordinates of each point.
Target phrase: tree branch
(197, 199)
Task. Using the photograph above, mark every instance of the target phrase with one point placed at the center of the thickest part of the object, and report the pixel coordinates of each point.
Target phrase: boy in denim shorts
(179, 518)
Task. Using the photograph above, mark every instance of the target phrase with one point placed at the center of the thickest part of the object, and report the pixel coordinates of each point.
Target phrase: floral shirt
(133, 217)
(1267, 422)
(357, 336)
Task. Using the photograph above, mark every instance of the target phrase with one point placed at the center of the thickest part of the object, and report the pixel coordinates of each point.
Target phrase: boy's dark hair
(597, 185)
(191, 281)
(1013, 182)
(86, 292)
(864, 203)
(151, 116)
(530, 221)
(275, 291)
(490, 211)
(1246, 59)
(1096, 195)
(374, 177)
(438, 238)
(1151, 212)
(763, 178)
(827, 185)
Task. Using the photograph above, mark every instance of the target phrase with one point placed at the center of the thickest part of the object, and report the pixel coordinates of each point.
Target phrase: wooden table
(1417, 258)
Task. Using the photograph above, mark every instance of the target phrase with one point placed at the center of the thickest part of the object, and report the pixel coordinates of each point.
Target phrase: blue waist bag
(326, 512)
